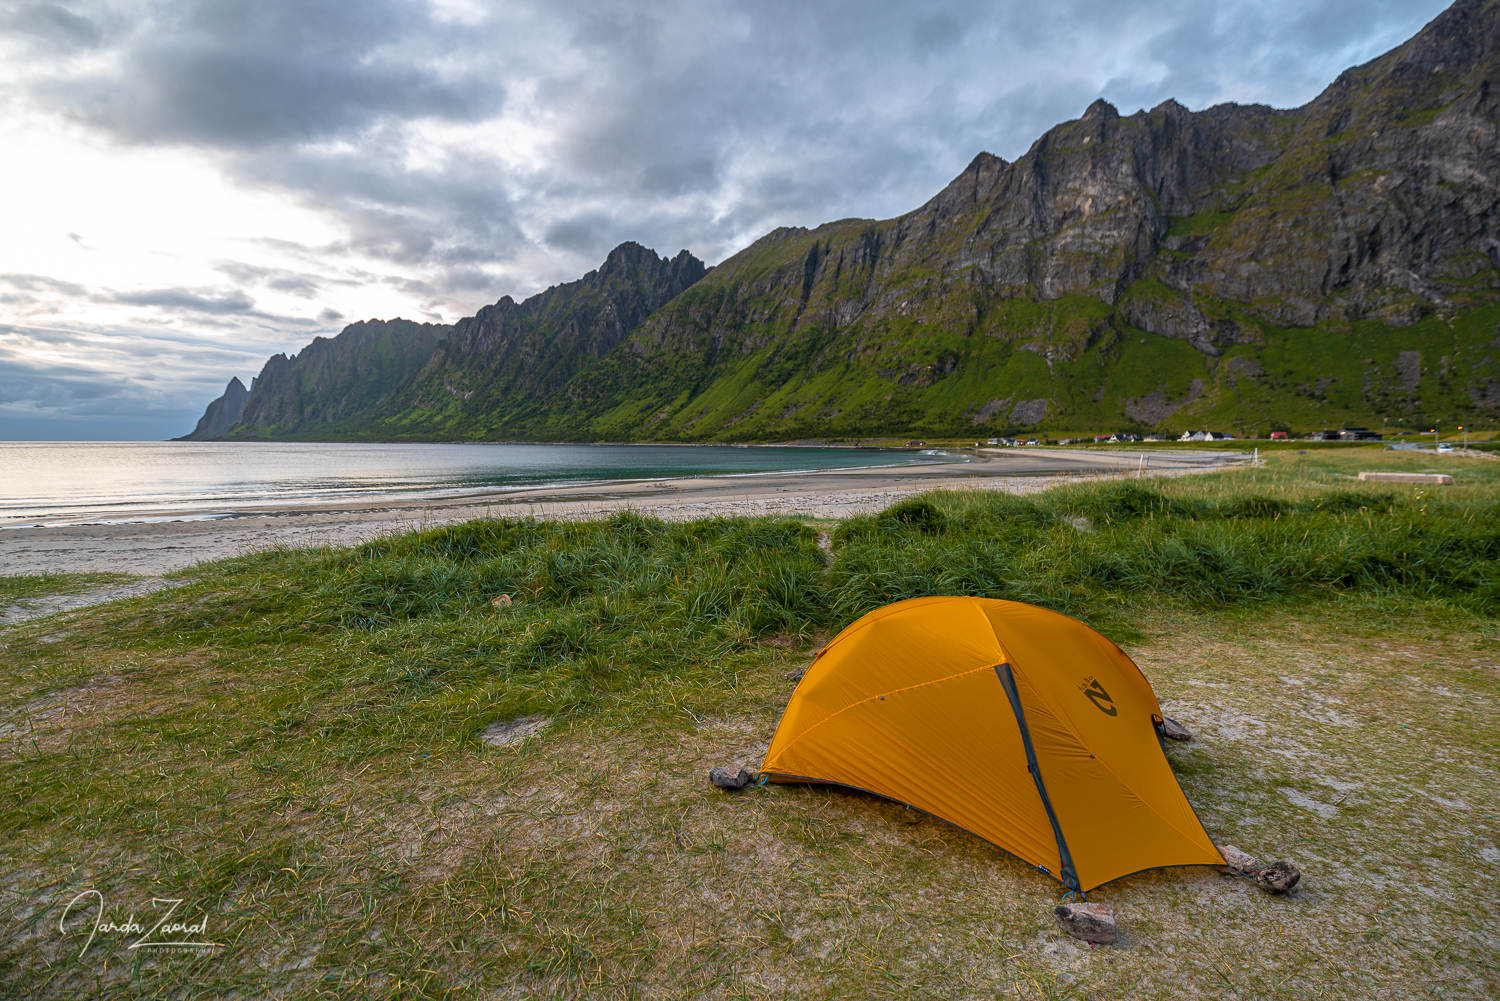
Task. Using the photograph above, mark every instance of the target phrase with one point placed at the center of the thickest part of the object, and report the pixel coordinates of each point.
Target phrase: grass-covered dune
(291, 743)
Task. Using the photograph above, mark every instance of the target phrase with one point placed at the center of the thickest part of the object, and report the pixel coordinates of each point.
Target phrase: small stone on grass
(1087, 922)
(1278, 877)
(731, 778)
(1239, 863)
(1174, 729)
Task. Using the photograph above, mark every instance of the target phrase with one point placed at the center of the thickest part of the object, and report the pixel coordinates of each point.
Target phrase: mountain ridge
(1240, 265)
(333, 379)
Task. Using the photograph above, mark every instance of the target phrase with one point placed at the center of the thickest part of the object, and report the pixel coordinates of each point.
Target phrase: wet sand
(153, 548)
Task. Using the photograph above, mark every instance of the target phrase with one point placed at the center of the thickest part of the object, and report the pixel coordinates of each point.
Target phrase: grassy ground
(291, 744)
(28, 587)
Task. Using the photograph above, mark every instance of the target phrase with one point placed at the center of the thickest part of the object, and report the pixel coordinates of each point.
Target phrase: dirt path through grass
(118, 586)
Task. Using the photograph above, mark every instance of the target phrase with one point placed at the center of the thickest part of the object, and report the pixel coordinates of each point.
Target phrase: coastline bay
(58, 483)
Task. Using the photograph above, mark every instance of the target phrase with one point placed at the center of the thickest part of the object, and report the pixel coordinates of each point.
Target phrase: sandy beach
(154, 547)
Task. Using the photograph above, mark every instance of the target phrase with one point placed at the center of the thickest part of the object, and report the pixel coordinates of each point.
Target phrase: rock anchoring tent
(1019, 725)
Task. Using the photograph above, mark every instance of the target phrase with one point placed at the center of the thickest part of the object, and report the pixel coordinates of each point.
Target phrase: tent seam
(1064, 856)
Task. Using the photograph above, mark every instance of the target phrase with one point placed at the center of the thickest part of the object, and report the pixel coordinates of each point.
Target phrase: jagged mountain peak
(631, 252)
(1170, 108)
(1100, 109)
(524, 351)
(221, 414)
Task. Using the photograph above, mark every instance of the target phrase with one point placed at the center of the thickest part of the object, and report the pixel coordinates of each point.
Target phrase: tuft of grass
(27, 587)
(1252, 536)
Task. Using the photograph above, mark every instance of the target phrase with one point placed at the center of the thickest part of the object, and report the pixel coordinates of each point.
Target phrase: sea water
(56, 483)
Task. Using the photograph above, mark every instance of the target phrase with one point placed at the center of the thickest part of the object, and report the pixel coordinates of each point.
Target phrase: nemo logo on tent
(1098, 696)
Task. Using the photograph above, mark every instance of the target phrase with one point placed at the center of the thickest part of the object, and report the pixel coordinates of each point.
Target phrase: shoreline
(178, 539)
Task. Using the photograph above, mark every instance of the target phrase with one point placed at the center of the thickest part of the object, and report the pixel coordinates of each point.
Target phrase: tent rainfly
(1021, 726)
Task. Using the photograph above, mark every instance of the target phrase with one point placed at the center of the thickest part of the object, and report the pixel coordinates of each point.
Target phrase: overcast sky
(193, 185)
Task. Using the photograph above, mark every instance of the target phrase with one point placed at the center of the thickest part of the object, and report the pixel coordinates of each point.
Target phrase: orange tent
(1021, 726)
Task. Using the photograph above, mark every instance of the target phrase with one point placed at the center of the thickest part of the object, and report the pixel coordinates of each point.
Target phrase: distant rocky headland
(1243, 267)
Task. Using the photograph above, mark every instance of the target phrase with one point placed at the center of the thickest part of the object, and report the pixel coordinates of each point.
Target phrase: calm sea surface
(69, 482)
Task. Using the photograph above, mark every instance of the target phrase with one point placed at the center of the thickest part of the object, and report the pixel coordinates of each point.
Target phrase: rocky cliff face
(1382, 203)
(1377, 199)
(333, 379)
(221, 414)
(511, 357)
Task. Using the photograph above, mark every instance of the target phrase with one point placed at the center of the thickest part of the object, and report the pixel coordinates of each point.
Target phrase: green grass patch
(1203, 222)
(23, 587)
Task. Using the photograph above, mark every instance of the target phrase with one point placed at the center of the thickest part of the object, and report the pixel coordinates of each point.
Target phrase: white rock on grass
(1277, 877)
(512, 731)
(1239, 863)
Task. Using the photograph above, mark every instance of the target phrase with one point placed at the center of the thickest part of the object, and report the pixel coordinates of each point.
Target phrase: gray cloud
(228, 74)
(42, 283)
(213, 302)
(303, 284)
(50, 386)
(50, 27)
(37, 295)
(126, 382)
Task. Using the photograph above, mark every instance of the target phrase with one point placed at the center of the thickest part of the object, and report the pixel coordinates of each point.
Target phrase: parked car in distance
(1280, 436)
(1445, 447)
